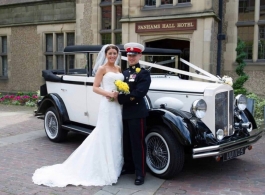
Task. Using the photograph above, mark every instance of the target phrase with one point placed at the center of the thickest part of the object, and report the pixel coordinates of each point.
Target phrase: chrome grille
(221, 111)
(231, 112)
(224, 112)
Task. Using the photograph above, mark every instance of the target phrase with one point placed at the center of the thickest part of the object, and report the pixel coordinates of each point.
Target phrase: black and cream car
(187, 116)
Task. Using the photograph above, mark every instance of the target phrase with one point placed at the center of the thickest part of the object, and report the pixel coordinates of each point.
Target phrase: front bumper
(218, 150)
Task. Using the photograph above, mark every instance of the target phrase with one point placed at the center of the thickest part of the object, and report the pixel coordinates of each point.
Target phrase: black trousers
(134, 149)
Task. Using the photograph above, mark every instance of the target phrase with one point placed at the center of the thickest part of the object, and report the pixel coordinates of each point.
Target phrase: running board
(72, 127)
(40, 117)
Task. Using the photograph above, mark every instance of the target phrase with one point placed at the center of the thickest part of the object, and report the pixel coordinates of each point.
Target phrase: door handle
(64, 89)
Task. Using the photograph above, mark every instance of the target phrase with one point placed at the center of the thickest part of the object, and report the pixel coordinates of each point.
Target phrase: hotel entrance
(184, 46)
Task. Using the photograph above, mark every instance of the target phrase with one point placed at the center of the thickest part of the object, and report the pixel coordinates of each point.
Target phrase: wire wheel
(158, 154)
(51, 124)
(164, 154)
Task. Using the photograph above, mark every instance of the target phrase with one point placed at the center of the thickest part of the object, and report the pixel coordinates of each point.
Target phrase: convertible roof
(97, 48)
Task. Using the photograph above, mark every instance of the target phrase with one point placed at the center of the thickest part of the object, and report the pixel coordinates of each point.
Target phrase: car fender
(175, 122)
(248, 117)
(55, 100)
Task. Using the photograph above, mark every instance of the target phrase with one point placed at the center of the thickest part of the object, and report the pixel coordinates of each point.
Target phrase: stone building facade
(34, 32)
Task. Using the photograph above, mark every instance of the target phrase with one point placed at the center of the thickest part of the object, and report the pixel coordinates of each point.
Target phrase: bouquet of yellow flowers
(122, 87)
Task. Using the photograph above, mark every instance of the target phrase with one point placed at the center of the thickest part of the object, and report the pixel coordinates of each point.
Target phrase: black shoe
(139, 180)
(125, 171)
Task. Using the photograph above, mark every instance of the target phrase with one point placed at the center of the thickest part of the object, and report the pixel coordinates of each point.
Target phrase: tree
(243, 77)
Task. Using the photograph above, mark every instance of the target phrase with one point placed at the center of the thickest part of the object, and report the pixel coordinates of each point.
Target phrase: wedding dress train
(98, 160)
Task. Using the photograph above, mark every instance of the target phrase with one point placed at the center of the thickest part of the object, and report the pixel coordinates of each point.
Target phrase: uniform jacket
(133, 104)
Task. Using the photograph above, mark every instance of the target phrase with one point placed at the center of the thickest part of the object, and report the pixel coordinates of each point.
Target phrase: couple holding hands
(117, 144)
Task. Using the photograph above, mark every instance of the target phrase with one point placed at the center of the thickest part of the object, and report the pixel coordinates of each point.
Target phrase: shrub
(258, 107)
(243, 77)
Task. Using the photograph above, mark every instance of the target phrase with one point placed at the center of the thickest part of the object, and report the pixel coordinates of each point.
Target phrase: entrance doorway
(184, 46)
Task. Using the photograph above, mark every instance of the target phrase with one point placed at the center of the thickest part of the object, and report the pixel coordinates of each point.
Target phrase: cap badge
(131, 48)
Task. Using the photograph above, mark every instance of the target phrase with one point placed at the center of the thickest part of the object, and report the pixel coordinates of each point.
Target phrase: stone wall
(24, 70)
(214, 46)
(10, 2)
(27, 22)
(86, 18)
(37, 13)
(255, 83)
(86, 28)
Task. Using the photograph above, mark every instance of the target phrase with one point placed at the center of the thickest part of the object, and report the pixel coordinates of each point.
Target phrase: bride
(98, 160)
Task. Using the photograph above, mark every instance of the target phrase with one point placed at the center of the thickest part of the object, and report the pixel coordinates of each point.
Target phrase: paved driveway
(24, 147)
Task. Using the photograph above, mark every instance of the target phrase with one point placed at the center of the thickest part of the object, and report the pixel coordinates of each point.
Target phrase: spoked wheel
(52, 126)
(165, 156)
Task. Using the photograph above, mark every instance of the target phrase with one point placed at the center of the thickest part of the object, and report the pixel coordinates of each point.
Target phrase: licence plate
(233, 154)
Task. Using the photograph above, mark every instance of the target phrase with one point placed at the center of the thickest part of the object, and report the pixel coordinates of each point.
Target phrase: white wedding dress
(99, 159)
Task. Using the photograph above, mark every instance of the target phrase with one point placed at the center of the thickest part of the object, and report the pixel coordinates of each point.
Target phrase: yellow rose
(137, 70)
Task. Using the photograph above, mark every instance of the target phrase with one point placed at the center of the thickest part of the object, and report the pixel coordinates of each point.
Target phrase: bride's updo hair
(111, 46)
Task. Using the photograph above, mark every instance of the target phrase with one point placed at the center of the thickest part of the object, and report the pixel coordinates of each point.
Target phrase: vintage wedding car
(187, 116)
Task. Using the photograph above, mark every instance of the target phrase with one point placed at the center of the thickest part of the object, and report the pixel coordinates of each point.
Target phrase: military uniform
(134, 114)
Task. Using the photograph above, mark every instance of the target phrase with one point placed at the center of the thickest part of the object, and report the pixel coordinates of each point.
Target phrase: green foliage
(258, 106)
(241, 55)
(30, 104)
(240, 82)
(240, 91)
(15, 103)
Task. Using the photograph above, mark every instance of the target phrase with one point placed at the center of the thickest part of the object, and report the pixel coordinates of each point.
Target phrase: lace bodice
(109, 79)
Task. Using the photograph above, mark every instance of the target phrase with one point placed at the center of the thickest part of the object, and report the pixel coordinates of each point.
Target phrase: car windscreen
(166, 61)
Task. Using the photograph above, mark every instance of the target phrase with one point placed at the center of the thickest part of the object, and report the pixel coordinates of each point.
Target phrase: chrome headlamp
(241, 102)
(199, 108)
(220, 134)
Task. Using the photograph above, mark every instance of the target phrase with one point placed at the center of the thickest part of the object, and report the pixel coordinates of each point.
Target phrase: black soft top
(97, 48)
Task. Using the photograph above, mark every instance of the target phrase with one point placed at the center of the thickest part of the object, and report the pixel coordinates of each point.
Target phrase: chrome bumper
(226, 147)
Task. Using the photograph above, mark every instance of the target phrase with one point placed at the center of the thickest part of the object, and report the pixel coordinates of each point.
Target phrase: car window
(76, 63)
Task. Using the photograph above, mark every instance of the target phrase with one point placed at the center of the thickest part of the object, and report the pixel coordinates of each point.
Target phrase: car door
(73, 93)
(93, 101)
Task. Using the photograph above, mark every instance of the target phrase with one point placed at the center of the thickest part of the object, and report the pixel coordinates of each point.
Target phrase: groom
(134, 113)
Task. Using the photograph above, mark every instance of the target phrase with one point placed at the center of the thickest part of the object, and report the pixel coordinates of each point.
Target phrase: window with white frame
(246, 10)
(54, 46)
(261, 43)
(166, 2)
(3, 56)
(183, 1)
(111, 33)
(150, 2)
(246, 31)
(154, 3)
(246, 34)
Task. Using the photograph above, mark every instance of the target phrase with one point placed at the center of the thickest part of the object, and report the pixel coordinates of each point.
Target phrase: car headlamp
(199, 108)
(241, 102)
(220, 134)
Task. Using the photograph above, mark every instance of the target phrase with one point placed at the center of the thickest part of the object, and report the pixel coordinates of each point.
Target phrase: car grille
(224, 112)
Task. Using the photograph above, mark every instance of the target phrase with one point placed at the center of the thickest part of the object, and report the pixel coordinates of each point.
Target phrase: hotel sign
(167, 25)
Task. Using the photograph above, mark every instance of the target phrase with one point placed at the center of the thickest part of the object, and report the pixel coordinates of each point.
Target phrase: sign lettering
(142, 27)
(169, 25)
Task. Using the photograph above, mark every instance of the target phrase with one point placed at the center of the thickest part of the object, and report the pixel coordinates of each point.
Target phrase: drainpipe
(220, 37)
